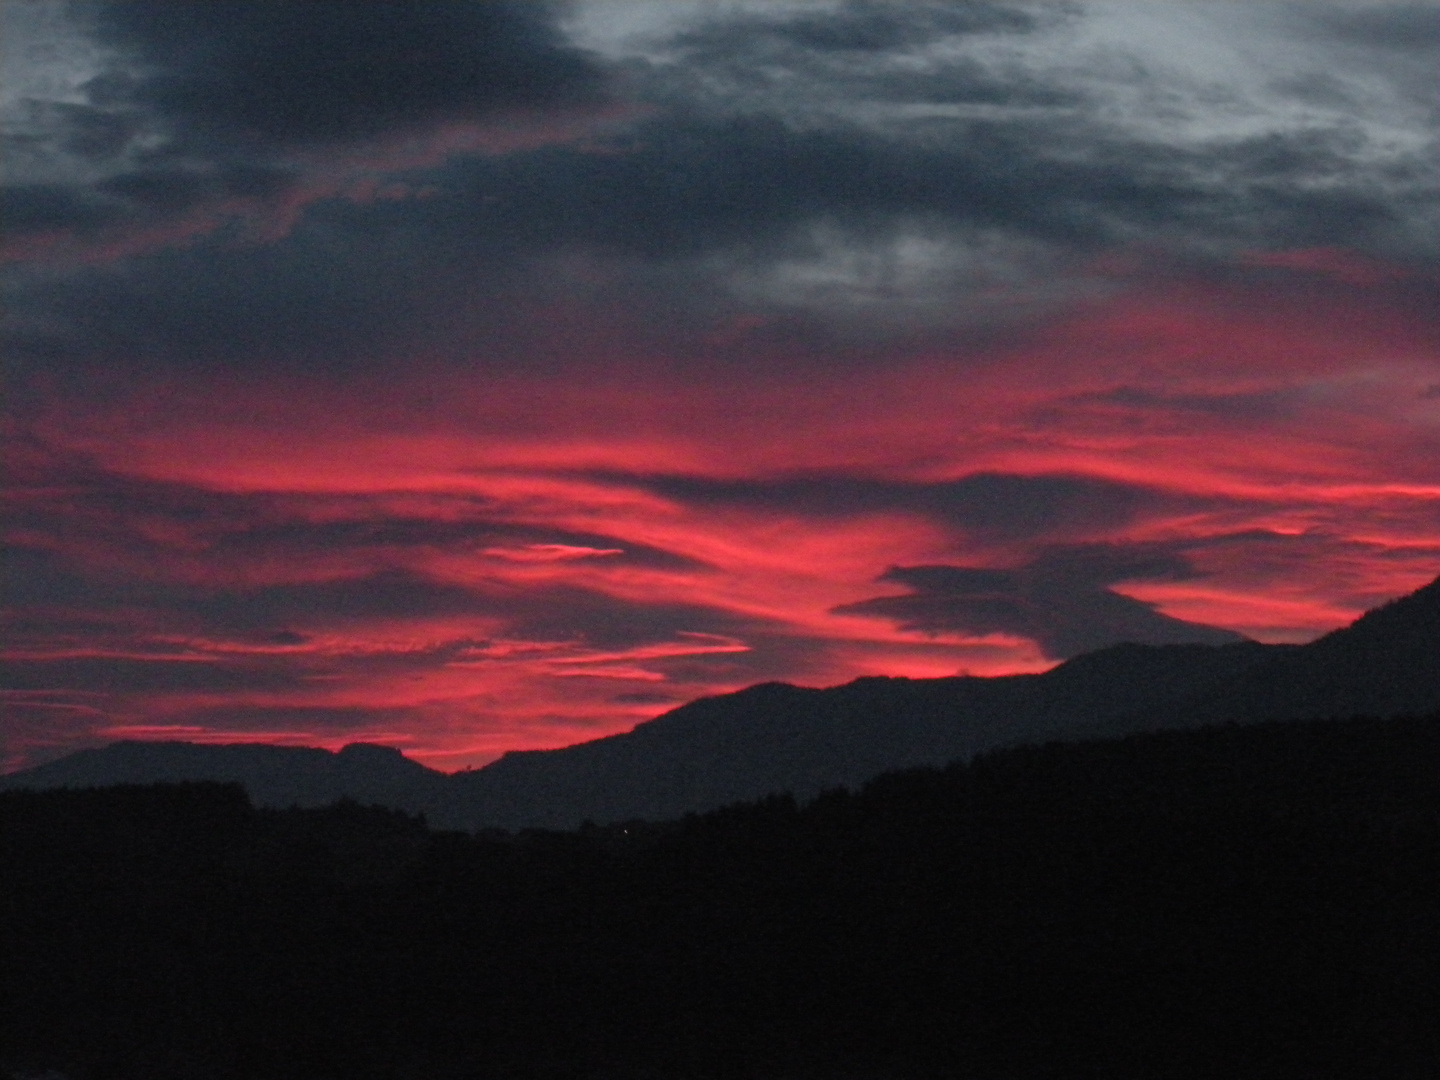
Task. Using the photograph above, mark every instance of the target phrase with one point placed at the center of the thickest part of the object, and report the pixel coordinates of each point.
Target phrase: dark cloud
(273, 70)
(157, 190)
(383, 595)
(304, 718)
(699, 182)
(384, 531)
(644, 697)
(161, 191)
(31, 208)
(1408, 27)
(139, 586)
(139, 519)
(134, 211)
(227, 111)
(553, 613)
(854, 26)
(257, 306)
(996, 506)
(694, 205)
(117, 633)
(36, 578)
(718, 186)
(94, 134)
(690, 181)
(568, 613)
(1060, 599)
(119, 663)
(1261, 405)
(139, 674)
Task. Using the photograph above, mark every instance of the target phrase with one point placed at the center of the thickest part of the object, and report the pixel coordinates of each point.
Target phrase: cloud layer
(1061, 600)
(473, 377)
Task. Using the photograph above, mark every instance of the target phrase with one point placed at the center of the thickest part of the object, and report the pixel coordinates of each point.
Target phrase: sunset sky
(476, 377)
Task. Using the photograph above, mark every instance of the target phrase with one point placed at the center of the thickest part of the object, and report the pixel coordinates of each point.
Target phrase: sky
(478, 377)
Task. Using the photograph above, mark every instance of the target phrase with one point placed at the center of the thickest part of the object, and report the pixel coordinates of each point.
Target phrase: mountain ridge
(776, 737)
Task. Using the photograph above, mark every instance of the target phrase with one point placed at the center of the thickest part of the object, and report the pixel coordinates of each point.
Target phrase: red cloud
(252, 553)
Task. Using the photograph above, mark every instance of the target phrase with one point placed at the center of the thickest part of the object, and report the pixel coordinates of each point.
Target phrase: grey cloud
(963, 81)
(197, 103)
(703, 198)
(342, 292)
(854, 26)
(337, 69)
(93, 133)
(990, 505)
(1364, 46)
(1060, 599)
(821, 60)
(124, 204)
(1408, 27)
(168, 189)
(1051, 161)
(257, 305)
(699, 197)
(32, 208)
(162, 191)
(696, 182)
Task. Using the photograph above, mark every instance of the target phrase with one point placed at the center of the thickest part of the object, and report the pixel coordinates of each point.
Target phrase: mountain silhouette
(775, 737)
(272, 775)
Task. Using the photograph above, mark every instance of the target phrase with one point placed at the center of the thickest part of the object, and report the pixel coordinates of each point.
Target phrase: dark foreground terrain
(1240, 902)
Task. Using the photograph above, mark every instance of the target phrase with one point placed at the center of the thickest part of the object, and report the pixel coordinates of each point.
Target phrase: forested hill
(776, 737)
(1243, 901)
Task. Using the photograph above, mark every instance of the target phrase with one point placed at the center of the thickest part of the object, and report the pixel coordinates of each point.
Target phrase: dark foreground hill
(1244, 902)
(776, 737)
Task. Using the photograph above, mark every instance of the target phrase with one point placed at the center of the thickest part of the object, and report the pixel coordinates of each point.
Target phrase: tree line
(1245, 901)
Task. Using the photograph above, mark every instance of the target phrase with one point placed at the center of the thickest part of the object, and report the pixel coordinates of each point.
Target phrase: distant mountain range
(776, 737)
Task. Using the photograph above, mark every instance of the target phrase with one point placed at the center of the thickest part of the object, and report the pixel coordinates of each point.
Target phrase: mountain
(776, 737)
(1386, 663)
(273, 775)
